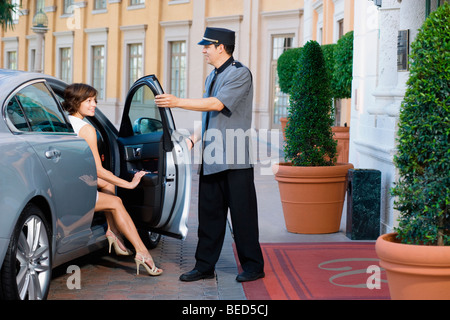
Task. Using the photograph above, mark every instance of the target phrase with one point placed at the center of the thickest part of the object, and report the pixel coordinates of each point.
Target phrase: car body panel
(71, 169)
(22, 170)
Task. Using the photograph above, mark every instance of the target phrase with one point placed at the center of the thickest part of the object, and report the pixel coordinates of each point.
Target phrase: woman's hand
(136, 179)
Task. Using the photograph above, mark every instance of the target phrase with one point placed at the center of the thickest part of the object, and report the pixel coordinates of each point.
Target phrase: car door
(33, 113)
(148, 140)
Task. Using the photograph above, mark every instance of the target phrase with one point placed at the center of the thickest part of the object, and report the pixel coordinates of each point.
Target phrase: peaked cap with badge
(218, 36)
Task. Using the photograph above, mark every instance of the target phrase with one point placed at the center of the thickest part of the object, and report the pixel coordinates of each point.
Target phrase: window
(66, 64)
(15, 14)
(340, 25)
(40, 5)
(136, 2)
(34, 109)
(135, 65)
(11, 60)
(280, 102)
(99, 4)
(144, 114)
(68, 9)
(98, 70)
(320, 36)
(178, 69)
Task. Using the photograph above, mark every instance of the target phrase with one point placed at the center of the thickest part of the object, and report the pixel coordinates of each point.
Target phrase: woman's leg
(123, 222)
(109, 188)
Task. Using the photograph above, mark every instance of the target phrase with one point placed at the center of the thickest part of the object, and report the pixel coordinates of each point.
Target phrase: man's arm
(204, 104)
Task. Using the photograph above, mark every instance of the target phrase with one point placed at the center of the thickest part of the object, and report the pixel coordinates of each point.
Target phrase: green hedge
(339, 65)
(343, 67)
(423, 158)
(286, 68)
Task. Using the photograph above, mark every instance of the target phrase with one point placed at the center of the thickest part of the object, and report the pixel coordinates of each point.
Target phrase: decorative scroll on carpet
(315, 271)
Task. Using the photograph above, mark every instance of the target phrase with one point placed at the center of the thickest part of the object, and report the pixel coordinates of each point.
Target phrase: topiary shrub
(423, 157)
(286, 67)
(309, 139)
(343, 67)
(328, 55)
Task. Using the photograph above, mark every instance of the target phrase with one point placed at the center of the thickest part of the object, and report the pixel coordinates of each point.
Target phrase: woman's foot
(119, 247)
(147, 261)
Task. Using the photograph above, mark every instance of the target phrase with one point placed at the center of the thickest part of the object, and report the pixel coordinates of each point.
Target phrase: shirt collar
(225, 65)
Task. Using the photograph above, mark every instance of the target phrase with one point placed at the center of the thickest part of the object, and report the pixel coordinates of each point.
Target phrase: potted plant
(421, 242)
(339, 66)
(312, 185)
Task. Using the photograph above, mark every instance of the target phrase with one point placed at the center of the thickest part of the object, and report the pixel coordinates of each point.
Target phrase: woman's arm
(89, 134)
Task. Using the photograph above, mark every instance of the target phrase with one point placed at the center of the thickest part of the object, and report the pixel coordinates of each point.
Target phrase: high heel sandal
(114, 241)
(141, 260)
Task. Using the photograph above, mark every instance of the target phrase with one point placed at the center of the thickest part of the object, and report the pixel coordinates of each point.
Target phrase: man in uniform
(226, 172)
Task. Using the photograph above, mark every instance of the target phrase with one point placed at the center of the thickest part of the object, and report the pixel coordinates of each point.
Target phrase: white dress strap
(77, 124)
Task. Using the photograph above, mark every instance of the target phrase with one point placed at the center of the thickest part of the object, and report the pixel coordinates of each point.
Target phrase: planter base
(415, 272)
(312, 197)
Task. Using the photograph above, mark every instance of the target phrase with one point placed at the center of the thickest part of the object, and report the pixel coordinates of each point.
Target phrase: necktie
(208, 115)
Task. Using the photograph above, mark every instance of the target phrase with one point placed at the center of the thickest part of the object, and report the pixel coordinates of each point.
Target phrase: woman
(80, 101)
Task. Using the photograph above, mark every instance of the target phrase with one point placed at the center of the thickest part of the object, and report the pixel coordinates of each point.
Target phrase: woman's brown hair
(75, 94)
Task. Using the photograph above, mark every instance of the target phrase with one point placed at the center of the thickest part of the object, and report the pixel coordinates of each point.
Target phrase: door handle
(52, 154)
(137, 152)
(133, 152)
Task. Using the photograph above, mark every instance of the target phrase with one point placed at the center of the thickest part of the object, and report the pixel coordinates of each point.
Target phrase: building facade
(111, 43)
(384, 31)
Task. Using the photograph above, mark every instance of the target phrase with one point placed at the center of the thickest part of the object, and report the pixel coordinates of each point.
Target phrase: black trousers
(234, 190)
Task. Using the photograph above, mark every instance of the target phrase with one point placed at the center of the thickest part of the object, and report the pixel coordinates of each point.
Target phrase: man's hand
(166, 101)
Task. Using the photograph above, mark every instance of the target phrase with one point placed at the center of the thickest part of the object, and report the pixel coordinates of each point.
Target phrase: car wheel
(150, 239)
(26, 271)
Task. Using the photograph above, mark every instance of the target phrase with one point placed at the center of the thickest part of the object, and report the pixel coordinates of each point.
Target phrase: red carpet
(319, 271)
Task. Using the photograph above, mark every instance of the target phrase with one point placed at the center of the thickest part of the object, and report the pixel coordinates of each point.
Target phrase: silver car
(45, 169)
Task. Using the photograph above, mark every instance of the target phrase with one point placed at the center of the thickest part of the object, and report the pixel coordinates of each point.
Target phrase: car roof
(11, 79)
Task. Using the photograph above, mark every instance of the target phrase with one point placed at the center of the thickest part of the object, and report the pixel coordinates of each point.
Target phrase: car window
(16, 116)
(144, 114)
(34, 109)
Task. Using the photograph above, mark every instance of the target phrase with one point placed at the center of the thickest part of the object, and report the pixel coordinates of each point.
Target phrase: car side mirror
(147, 125)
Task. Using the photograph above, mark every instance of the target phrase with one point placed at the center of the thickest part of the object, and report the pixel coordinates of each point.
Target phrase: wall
(378, 89)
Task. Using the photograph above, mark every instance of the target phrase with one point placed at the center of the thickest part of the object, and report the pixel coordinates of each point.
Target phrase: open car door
(149, 141)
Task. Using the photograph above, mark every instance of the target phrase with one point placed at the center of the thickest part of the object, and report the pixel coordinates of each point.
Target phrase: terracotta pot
(283, 122)
(414, 272)
(342, 136)
(312, 197)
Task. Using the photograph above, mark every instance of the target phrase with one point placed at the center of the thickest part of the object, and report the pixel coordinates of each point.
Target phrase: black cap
(218, 36)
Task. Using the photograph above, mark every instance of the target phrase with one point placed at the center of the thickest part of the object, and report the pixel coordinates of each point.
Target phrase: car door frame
(175, 177)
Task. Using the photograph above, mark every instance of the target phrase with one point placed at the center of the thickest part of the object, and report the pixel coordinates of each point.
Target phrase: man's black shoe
(195, 275)
(249, 276)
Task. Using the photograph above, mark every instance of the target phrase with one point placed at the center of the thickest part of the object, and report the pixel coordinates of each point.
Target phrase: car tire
(150, 239)
(27, 268)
